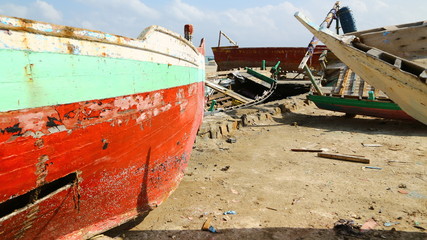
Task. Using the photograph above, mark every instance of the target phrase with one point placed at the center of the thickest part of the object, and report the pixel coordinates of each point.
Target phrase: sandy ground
(280, 194)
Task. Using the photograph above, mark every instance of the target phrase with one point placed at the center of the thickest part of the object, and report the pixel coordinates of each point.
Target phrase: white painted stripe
(155, 44)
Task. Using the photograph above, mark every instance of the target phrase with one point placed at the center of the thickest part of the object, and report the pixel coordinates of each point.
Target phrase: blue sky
(248, 22)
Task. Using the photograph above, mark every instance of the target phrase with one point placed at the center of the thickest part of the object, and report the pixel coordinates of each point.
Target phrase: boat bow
(402, 80)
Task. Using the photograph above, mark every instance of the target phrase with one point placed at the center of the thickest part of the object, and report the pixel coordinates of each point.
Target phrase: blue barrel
(348, 24)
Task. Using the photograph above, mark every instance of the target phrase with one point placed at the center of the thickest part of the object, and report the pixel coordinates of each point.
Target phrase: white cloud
(125, 18)
(186, 12)
(48, 11)
(14, 10)
(87, 25)
(38, 10)
(360, 6)
(140, 8)
(125, 8)
(266, 23)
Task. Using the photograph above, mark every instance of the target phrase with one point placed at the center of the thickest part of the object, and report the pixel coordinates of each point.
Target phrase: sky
(250, 23)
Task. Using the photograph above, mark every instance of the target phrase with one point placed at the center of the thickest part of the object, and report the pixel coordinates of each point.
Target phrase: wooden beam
(344, 157)
(305, 150)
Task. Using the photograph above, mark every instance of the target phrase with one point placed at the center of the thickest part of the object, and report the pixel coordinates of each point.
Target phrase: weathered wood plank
(350, 158)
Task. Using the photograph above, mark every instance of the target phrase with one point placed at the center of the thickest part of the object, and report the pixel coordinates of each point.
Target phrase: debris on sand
(208, 227)
(368, 225)
(230, 213)
(346, 227)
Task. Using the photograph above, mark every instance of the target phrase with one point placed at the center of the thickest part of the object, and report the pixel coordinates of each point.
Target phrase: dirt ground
(280, 194)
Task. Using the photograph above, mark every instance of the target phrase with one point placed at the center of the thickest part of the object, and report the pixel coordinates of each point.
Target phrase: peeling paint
(41, 169)
(74, 36)
(31, 121)
(28, 222)
(120, 143)
(39, 143)
(29, 72)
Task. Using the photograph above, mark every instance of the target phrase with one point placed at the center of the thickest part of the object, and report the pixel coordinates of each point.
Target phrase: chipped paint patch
(152, 41)
(42, 27)
(113, 127)
(28, 222)
(10, 21)
(32, 121)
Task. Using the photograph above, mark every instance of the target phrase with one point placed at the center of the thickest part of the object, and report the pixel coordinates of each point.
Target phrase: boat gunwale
(352, 41)
(377, 70)
(337, 100)
(322, 47)
(388, 28)
(62, 31)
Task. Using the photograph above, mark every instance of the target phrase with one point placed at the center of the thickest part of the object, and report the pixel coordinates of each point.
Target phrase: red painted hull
(116, 159)
(290, 57)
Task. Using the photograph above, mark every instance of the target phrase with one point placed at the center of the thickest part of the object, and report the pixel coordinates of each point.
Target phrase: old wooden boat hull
(403, 80)
(232, 57)
(96, 129)
(382, 109)
(341, 90)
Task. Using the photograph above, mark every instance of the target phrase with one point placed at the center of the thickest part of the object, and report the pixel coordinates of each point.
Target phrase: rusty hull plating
(231, 57)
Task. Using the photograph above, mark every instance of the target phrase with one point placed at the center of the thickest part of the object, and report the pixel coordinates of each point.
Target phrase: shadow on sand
(271, 233)
(357, 124)
(328, 123)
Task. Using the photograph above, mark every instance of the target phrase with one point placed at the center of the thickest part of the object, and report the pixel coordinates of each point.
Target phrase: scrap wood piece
(351, 158)
(306, 150)
(227, 92)
(371, 145)
(270, 208)
(207, 224)
(369, 225)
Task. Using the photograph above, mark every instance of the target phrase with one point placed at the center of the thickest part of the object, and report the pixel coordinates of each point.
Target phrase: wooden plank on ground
(305, 150)
(344, 157)
(227, 92)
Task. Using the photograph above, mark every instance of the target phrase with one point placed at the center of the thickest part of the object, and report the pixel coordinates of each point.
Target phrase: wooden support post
(344, 82)
(313, 80)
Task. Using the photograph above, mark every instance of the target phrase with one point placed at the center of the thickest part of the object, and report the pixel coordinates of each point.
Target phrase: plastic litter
(389, 224)
(230, 213)
(212, 229)
(370, 167)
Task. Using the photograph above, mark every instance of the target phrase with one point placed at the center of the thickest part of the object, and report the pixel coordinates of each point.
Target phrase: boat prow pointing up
(402, 79)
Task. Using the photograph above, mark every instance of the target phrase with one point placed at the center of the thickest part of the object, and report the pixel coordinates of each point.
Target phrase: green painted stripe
(35, 79)
(260, 76)
(354, 102)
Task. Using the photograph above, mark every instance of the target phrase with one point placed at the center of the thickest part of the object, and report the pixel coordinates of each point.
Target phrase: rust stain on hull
(124, 169)
(290, 57)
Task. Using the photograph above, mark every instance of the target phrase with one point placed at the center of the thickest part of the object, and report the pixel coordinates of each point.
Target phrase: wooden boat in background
(96, 129)
(344, 91)
(232, 57)
(394, 63)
